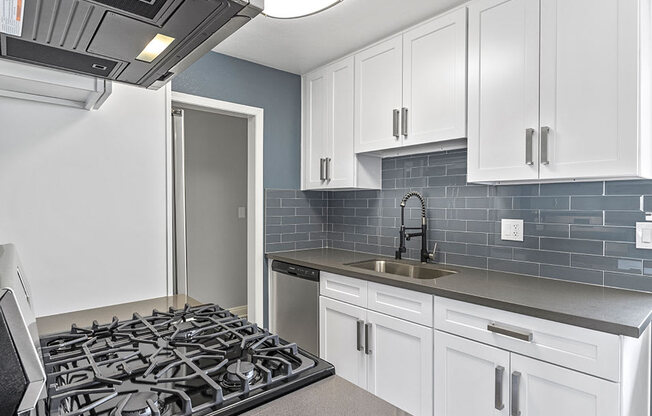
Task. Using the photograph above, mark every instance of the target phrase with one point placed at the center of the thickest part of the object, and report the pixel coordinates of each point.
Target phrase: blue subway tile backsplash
(579, 231)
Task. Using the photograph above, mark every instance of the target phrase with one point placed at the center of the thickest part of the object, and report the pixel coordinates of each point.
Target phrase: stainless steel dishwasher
(294, 304)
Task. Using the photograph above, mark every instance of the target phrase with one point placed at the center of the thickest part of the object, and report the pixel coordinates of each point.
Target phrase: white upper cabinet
(503, 89)
(329, 160)
(559, 90)
(378, 96)
(411, 89)
(589, 72)
(315, 128)
(434, 80)
(341, 167)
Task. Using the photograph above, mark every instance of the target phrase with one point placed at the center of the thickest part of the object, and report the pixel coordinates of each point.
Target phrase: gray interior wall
(216, 185)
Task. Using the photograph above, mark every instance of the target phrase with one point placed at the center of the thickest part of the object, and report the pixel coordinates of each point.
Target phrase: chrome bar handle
(510, 332)
(328, 169)
(498, 400)
(395, 126)
(529, 158)
(404, 121)
(321, 169)
(360, 325)
(545, 132)
(367, 334)
(516, 380)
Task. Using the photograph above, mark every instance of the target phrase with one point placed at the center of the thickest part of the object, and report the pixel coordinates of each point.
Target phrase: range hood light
(154, 48)
(292, 9)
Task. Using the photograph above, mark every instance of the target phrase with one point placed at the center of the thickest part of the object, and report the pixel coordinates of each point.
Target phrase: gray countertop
(615, 311)
(331, 396)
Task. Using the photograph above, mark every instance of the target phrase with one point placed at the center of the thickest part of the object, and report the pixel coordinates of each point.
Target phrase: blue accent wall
(235, 80)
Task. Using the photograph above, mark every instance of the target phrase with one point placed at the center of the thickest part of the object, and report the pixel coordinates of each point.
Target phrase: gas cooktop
(193, 361)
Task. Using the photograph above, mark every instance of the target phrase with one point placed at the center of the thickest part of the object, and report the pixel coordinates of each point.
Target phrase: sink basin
(401, 269)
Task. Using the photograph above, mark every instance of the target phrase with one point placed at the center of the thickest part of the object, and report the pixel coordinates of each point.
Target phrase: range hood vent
(103, 38)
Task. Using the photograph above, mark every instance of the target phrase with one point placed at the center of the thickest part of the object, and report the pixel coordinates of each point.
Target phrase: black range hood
(110, 38)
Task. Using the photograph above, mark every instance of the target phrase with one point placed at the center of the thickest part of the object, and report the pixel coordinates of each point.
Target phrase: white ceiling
(300, 45)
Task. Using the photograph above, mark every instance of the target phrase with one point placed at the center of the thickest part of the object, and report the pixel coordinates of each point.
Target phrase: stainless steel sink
(401, 269)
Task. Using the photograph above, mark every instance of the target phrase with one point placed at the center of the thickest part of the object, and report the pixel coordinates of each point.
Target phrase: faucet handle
(434, 252)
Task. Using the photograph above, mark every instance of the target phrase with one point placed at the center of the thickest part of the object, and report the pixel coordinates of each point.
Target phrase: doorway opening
(215, 204)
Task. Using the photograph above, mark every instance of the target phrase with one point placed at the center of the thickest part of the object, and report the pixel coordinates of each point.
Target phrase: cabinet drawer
(569, 346)
(346, 289)
(402, 303)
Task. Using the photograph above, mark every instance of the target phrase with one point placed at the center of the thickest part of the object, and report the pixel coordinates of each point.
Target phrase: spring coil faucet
(403, 236)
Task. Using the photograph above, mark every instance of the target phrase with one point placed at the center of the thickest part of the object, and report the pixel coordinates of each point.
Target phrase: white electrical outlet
(644, 235)
(511, 230)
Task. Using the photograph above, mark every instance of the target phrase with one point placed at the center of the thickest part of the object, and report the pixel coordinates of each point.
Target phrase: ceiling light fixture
(293, 9)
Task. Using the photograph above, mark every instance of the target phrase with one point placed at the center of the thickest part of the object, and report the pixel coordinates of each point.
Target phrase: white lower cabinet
(476, 360)
(340, 339)
(362, 344)
(475, 379)
(470, 378)
(404, 380)
(542, 389)
(494, 362)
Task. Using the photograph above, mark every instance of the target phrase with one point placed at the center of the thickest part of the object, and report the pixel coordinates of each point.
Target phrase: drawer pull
(510, 332)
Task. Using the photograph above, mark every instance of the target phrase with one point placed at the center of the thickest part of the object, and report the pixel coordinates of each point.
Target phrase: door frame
(255, 194)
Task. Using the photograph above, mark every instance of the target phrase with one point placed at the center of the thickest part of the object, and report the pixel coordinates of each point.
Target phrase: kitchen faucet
(403, 236)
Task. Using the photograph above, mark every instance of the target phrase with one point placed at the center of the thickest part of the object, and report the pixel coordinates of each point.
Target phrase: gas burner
(140, 404)
(240, 368)
(193, 361)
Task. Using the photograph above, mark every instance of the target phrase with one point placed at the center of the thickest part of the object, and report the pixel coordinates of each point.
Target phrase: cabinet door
(434, 80)
(340, 336)
(315, 126)
(471, 379)
(378, 93)
(503, 90)
(589, 58)
(400, 363)
(542, 389)
(341, 166)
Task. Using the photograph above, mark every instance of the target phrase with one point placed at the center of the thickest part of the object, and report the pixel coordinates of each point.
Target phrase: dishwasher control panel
(294, 270)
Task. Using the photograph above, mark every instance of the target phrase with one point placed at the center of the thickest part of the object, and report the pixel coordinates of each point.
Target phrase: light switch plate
(644, 235)
(242, 212)
(511, 230)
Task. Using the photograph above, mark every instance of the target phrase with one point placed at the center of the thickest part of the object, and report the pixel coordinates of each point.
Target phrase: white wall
(82, 195)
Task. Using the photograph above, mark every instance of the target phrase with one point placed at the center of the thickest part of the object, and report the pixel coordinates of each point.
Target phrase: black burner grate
(190, 361)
